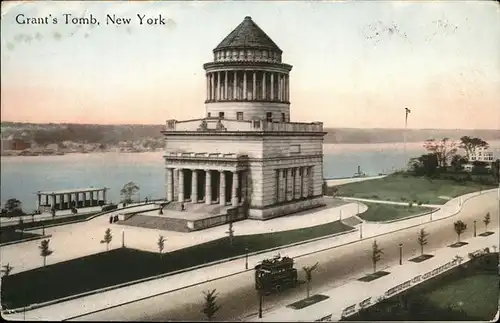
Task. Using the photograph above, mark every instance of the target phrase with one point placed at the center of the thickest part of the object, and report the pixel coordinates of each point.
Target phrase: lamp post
(260, 304)
(123, 238)
(475, 228)
(361, 230)
(400, 253)
(340, 215)
(246, 258)
(432, 211)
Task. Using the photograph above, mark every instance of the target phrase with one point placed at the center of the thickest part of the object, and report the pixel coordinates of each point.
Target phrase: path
(342, 181)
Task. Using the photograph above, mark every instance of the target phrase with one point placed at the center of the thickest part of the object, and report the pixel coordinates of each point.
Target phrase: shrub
(410, 204)
(419, 203)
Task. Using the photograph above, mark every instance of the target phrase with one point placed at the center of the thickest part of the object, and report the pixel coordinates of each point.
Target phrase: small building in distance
(480, 154)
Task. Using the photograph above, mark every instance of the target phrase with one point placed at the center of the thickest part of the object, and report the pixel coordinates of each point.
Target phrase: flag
(407, 111)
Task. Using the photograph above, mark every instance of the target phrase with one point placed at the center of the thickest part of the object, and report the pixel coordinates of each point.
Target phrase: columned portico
(68, 199)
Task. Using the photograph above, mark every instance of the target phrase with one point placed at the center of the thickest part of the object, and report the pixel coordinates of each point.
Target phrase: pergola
(67, 199)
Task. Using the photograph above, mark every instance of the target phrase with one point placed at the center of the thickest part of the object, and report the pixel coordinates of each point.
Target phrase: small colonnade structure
(67, 199)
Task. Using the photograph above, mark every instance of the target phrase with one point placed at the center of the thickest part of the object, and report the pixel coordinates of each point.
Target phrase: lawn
(406, 188)
(387, 212)
(467, 293)
(10, 236)
(124, 265)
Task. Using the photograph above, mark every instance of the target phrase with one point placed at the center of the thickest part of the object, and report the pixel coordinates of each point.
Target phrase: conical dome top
(248, 35)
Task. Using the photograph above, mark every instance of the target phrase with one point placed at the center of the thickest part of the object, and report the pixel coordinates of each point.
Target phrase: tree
(422, 240)
(471, 144)
(426, 164)
(127, 191)
(45, 250)
(460, 228)
(308, 271)
(210, 307)
(13, 207)
(444, 150)
(161, 243)
(230, 231)
(7, 269)
(376, 255)
(457, 163)
(107, 238)
(486, 221)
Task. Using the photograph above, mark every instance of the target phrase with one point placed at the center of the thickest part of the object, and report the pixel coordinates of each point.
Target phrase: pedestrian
(111, 219)
(182, 206)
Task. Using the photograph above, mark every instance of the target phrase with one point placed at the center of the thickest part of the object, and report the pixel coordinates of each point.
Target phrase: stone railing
(224, 125)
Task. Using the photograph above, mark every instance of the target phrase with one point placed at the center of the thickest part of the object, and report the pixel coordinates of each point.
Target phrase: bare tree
(444, 150)
(210, 307)
(422, 240)
(161, 243)
(7, 269)
(308, 271)
(486, 220)
(45, 250)
(376, 255)
(107, 238)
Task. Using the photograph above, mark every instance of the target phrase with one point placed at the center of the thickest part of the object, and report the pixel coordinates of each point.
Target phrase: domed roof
(248, 35)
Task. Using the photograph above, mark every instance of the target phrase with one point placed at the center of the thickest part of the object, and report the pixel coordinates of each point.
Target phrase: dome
(248, 35)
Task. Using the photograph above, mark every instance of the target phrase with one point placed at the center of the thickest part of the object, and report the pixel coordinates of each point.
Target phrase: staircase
(351, 221)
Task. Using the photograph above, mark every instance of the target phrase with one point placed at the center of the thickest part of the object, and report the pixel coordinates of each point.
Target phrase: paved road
(337, 266)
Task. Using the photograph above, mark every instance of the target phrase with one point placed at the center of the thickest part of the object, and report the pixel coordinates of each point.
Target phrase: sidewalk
(135, 292)
(356, 293)
(387, 202)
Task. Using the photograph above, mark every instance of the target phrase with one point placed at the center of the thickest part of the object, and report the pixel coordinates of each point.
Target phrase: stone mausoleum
(245, 150)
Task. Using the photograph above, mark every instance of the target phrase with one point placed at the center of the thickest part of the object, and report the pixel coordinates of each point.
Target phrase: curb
(35, 306)
(401, 219)
(25, 240)
(142, 280)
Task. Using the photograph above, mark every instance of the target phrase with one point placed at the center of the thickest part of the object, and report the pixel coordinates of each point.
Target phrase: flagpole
(404, 139)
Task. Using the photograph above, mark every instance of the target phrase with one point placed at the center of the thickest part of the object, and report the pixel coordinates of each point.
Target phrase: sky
(356, 64)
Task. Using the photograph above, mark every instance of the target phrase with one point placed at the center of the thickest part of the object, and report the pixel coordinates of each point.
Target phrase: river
(22, 176)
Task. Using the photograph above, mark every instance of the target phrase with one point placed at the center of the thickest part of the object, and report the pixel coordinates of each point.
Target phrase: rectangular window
(208, 114)
(283, 117)
(256, 124)
(284, 173)
(239, 115)
(269, 116)
(221, 115)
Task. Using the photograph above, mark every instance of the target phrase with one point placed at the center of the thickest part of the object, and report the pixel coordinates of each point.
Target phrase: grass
(473, 294)
(407, 188)
(10, 236)
(467, 293)
(375, 275)
(308, 301)
(124, 265)
(387, 212)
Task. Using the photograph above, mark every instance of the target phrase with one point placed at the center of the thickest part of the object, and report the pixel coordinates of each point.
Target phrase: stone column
(194, 186)
(212, 86)
(279, 86)
(294, 181)
(278, 186)
(61, 201)
(181, 185)
(310, 181)
(244, 85)
(77, 198)
(235, 83)
(175, 187)
(53, 205)
(305, 188)
(289, 186)
(170, 184)
(222, 188)
(208, 187)
(264, 94)
(254, 86)
(104, 195)
(234, 190)
(39, 200)
(46, 200)
(208, 86)
(298, 183)
(272, 86)
(286, 87)
(225, 85)
(69, 200)
(217, 95)
(302, 169)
